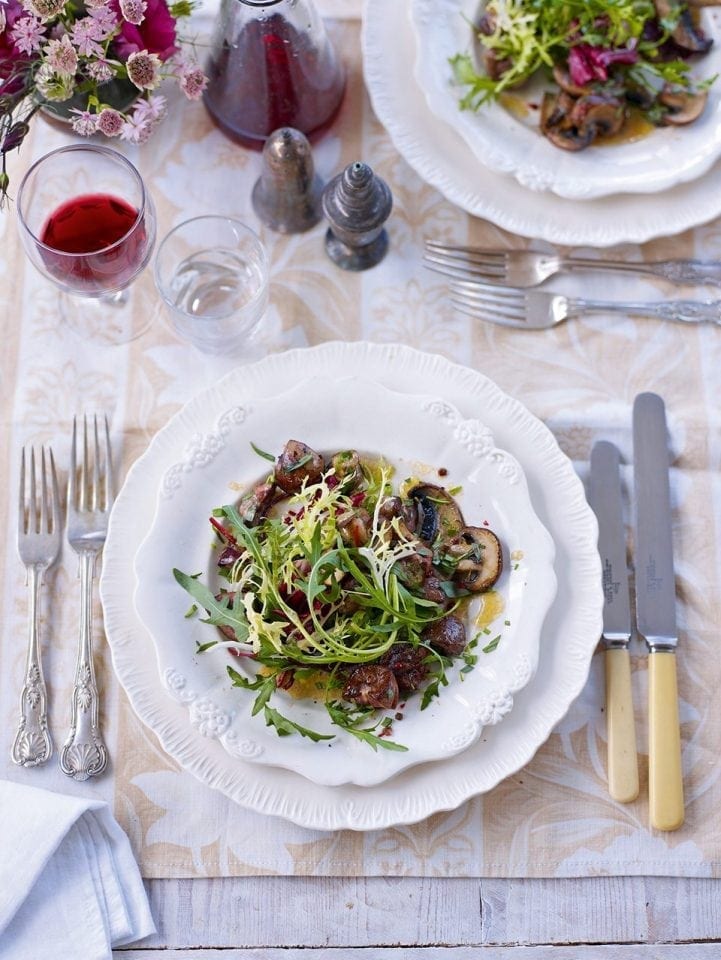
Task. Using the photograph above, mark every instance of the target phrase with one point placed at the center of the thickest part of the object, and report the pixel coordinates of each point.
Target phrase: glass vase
(272, 65)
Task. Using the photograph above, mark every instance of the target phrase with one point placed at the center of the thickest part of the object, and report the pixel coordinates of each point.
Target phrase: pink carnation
(156, 34)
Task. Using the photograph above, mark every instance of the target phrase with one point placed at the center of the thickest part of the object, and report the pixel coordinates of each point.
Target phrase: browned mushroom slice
(480, 559)
(686, 34)
(254, 504)
(605, 115)
(447, 635)
(684, 106)
(563, 79)
(372, 686)
(297, 464)
(556, 123)
(438, 513)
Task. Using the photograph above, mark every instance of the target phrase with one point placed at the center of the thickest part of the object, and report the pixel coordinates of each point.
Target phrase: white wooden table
(269, 918)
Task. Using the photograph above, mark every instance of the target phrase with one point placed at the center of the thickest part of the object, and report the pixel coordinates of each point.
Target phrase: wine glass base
(114, 319)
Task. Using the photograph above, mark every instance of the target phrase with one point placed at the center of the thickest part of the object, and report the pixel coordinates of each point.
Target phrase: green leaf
(346, 720)
(267, 690)
(262, 453)
(220, 613)
(284, 727)
(492, 644)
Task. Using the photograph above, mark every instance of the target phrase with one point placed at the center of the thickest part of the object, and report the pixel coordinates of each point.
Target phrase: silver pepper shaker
(357, 203)
(287, 195)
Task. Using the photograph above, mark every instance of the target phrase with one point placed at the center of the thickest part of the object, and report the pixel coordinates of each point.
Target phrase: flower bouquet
(96, 63)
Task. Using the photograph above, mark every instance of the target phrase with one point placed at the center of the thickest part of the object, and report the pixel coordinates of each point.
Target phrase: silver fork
(526, 268)
(38, 545)
(538, 310)
(90, 497)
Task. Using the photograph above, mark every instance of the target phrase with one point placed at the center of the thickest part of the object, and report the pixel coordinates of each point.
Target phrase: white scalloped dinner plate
(508, 144)
(568, 636)
(416, 435)
(441, 157)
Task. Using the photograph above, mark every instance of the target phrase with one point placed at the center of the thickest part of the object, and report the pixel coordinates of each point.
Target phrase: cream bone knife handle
(606, 498)
(665, 777)
(656, 608)
(620, 727)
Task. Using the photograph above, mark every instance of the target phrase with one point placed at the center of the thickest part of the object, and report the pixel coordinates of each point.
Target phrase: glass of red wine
(88, 224)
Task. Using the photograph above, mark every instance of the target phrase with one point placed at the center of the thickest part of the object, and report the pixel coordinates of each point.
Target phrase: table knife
(656, 608)
(607, 504)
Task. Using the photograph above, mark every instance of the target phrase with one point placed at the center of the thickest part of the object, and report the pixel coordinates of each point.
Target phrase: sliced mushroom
(480, 559)
(372, 686)
(684, 106)
(604, 114)
(296, 465)
(254, 505)
(438, 513)
(563, 79)
(556, 125)
(355, 529)
(686, 34)
(447, 635)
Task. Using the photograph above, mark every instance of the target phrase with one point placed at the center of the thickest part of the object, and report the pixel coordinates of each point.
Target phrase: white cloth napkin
(69, 885)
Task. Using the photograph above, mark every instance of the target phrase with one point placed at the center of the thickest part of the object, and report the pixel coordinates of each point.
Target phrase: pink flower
(156, 34)
(136, 131)
(193, 82)
(133, 10)
(100, 71)
(61, 57)
(28, 34)
(110, 122)
(84, 35)
(45, 9)
(85, 123)
(151, 110)
(105, 21)
(144, 69)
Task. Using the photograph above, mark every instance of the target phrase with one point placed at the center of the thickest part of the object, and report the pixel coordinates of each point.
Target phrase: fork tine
(54, 496)
(32, 512)
(476, 314)
(109, 481)
(43, 492)
(96, 466)
(503, 304)
(474, 289)
(83, 479)
(21, 498)
(490, 309)
(466, 259)
(72, 476)
(458, 272)
(450, 249)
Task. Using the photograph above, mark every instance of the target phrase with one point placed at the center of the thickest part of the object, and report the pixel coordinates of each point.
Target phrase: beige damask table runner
(554, 818)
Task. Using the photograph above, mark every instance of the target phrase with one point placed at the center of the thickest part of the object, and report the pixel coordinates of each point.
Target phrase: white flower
(53, 86)
(45, 9)
(61, 57)
(133, 10)
(100, 71)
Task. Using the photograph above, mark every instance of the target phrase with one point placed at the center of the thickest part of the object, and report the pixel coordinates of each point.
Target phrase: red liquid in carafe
(272, 77)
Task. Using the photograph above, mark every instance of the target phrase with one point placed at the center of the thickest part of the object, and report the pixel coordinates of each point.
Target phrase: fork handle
(683, 311)
(677, 271)
(33, 745)
(84, 754)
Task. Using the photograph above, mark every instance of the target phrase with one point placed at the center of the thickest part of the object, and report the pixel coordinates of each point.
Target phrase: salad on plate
(339, 585)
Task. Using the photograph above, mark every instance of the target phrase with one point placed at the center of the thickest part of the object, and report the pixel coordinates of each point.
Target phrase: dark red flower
(156, 33)
(12, 60)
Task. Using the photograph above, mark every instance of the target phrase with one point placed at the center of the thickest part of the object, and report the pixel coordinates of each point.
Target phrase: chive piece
(262, 453)
(491, 646)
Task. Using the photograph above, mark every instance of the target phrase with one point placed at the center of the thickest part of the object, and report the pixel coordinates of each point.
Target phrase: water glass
(212, 273)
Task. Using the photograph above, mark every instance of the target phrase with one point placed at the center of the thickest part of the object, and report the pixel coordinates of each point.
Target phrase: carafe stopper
(357, 203)
(287, 195)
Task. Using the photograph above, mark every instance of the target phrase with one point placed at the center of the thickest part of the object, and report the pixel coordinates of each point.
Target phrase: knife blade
(656, 608)
(607, 503)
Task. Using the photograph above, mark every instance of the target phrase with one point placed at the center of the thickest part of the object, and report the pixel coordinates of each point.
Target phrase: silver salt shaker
(357, 203)
(287, 195)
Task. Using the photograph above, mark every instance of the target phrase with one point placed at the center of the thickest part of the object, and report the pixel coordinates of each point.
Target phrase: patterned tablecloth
(554, 818)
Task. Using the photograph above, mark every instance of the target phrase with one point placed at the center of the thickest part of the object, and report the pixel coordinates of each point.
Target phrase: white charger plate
(506, 143)
(417, 435)
(568, 638)
(441, 157)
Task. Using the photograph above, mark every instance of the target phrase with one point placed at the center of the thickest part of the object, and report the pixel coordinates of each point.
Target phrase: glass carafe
(272, 65)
